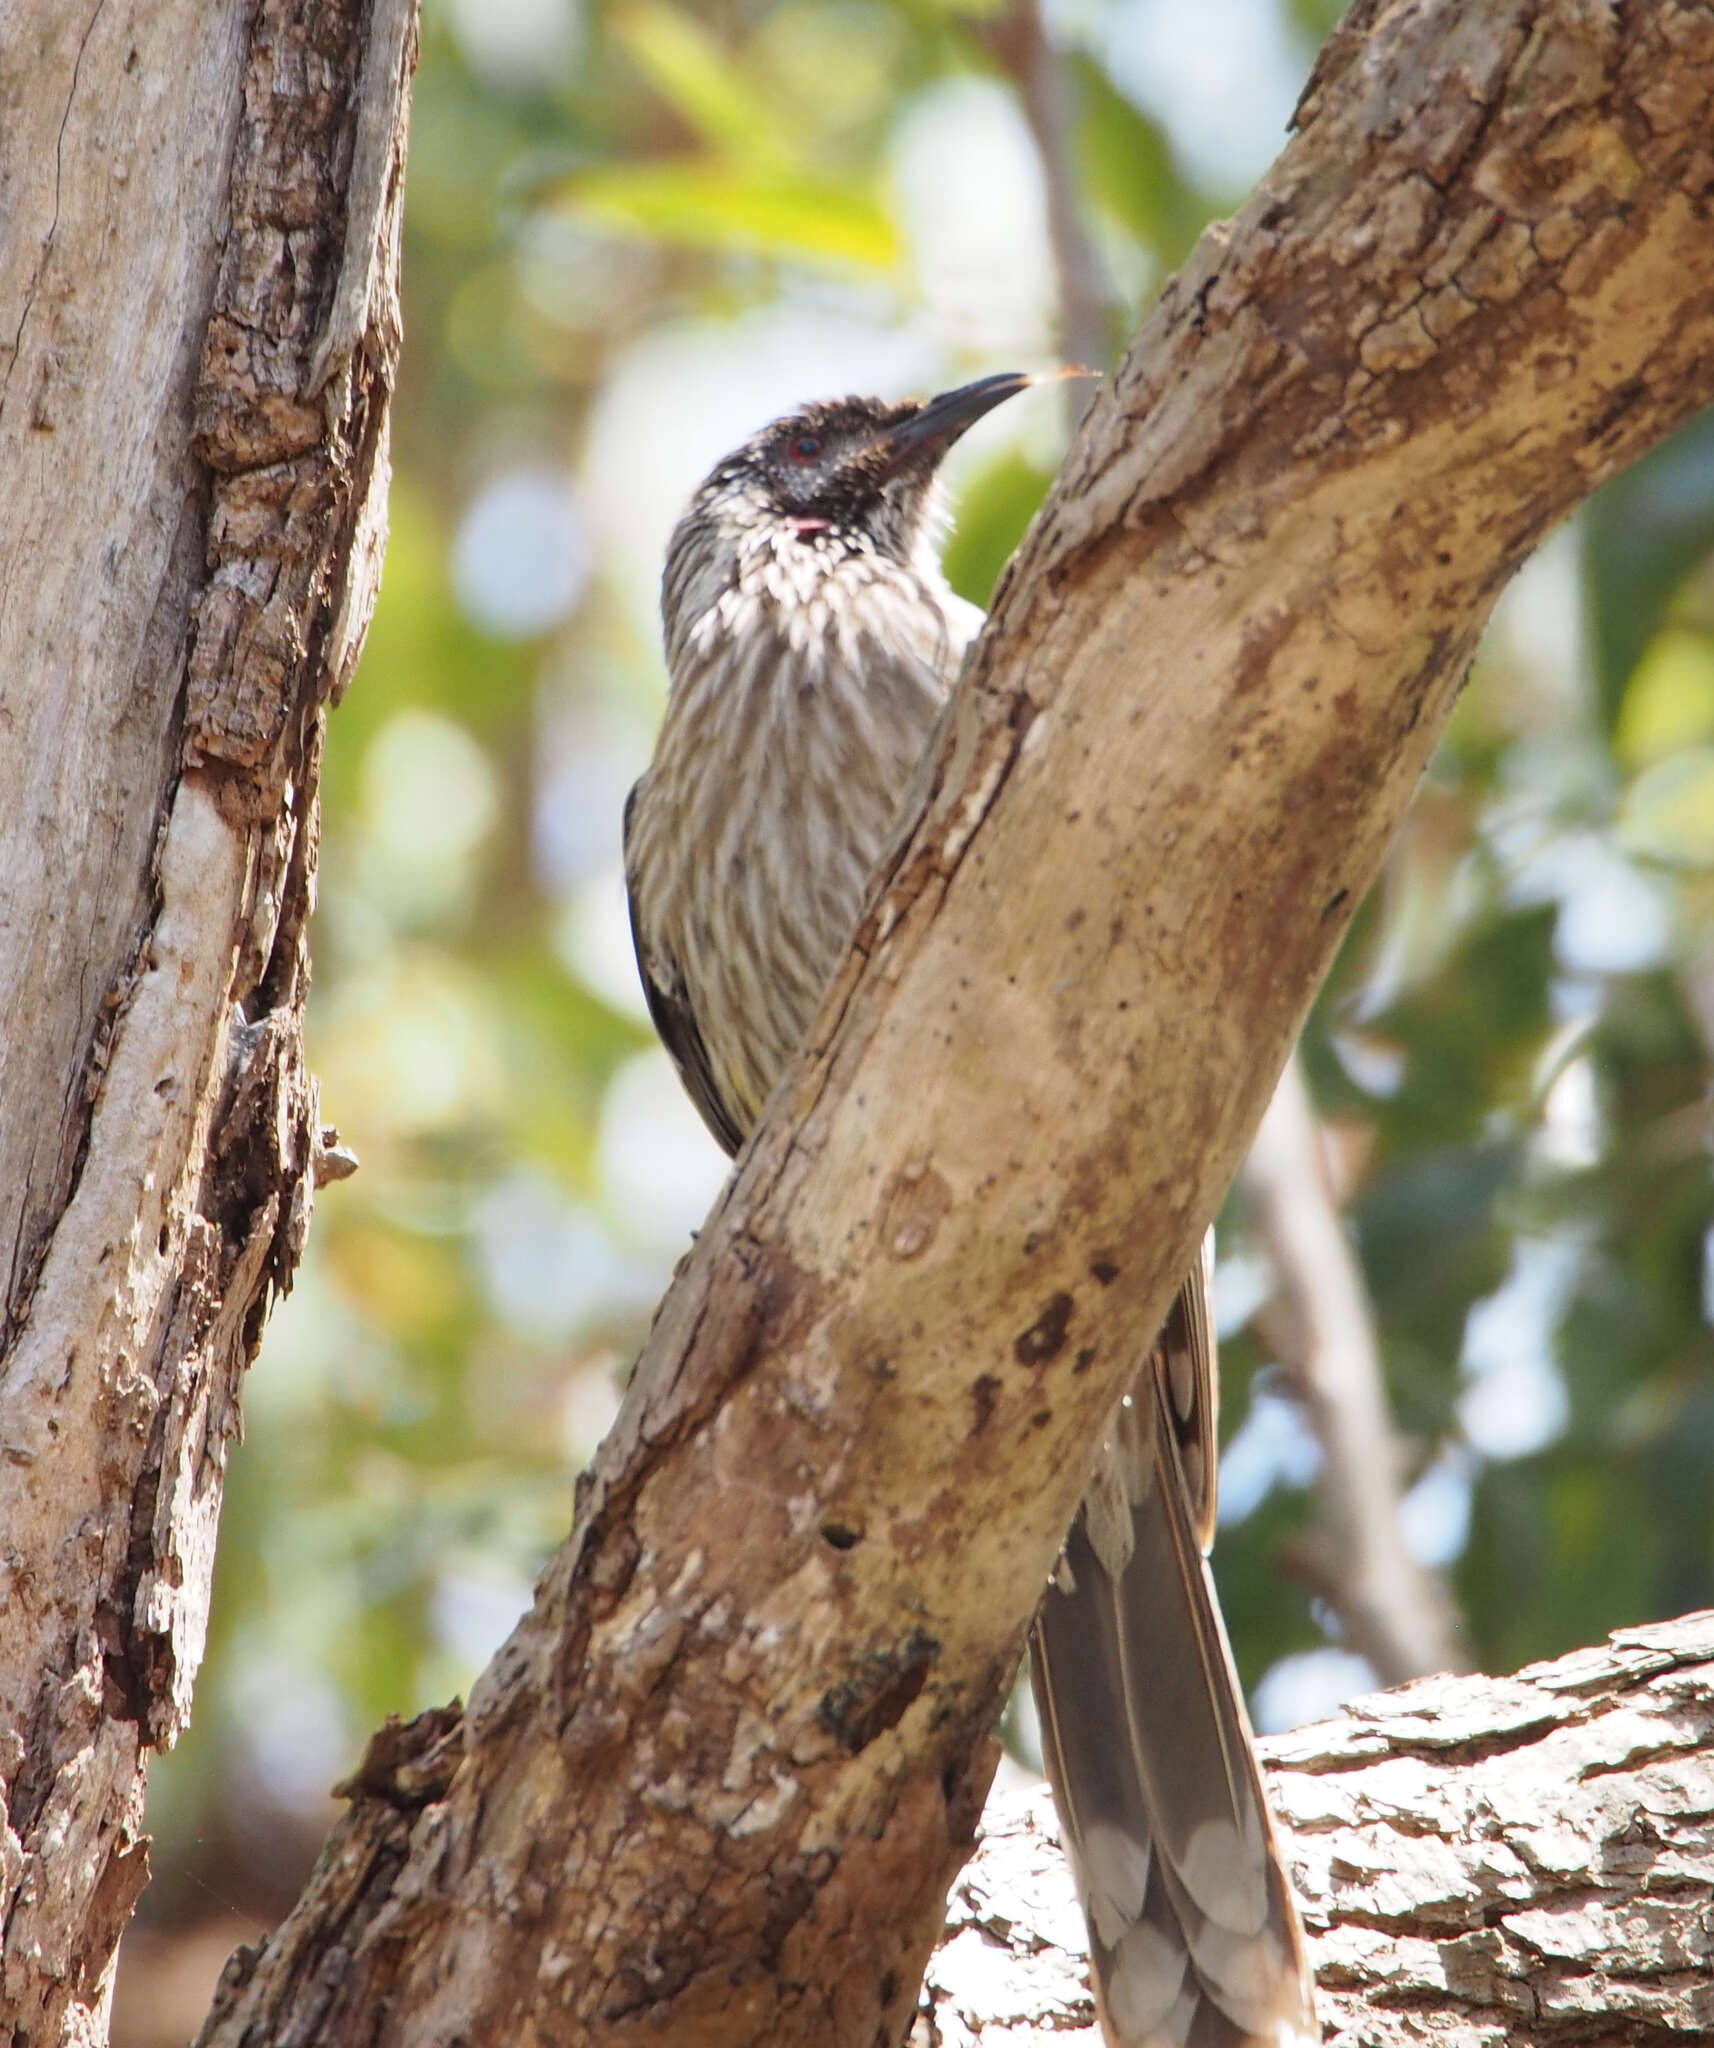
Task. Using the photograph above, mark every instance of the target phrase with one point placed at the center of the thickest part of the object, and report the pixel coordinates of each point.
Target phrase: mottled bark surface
(1523, 1860)
(198, 286)
(713, 1789)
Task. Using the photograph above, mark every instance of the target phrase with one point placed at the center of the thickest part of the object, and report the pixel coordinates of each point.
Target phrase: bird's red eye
(806, 447)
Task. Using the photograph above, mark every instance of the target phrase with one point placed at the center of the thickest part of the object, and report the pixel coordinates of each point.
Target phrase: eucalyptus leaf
(728, 206)
(1642, 535)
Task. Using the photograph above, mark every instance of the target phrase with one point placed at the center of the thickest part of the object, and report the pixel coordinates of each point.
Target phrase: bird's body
(812, 642)
(808, 670)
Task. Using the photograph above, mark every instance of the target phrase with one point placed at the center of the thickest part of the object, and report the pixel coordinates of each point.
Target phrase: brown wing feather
(675, 1020)
(1189, 1359)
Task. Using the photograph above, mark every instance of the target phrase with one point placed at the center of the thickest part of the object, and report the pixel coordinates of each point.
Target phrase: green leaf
(1669, 701)
(955, 10)
(767, 213)
(1668, 811)
(1127, 166)
(995, 507)
(1641, 535)
(699, 81)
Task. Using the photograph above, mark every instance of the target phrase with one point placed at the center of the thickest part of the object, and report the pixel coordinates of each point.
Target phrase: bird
(812, 642)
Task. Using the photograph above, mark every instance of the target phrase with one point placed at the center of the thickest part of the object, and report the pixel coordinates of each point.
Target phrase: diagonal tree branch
(717, 1782)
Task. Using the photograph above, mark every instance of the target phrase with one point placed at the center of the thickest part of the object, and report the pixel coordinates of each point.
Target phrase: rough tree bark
(1523, 1860)
(198, 286)
(714, 1788)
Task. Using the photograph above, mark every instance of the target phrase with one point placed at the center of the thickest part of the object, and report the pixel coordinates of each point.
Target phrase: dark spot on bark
(1032, 1244)
(1084, 1359)
(1199, 319)
(985, 1394)
(889, 1987)
(612, 1559)
(1041, 1418)
(1103, 1270)
(914, 1203)
(1044, 1340)
(840, 1535)
(1260, 644)
(877, 1694)
(410, 1764)
(1336, 902)
(1115, 931)
(1075, 921)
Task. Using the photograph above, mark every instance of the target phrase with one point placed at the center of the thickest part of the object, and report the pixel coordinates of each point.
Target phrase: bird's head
(850, 472)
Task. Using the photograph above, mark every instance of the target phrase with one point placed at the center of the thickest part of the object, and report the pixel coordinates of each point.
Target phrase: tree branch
(191, 541)
(718, 1780)
(1088, 308)
(1396, 1613)
(1526, 1860)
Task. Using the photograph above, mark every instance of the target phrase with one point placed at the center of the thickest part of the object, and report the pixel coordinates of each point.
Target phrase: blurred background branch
(634, 231)
(1321, 1326)
(1089, 310)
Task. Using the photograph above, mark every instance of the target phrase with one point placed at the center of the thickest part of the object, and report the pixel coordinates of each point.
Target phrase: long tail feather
(1194, 1939)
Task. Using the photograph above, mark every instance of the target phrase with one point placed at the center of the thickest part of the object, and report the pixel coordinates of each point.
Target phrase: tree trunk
(1522, 1860)
(199, 282)
(714, 1788)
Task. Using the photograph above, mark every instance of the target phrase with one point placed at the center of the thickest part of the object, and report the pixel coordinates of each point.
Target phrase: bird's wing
(675, 1020)
(1194, 1938)
(1187, 1354)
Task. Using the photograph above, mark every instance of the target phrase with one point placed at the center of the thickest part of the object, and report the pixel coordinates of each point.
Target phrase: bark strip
(189, 546)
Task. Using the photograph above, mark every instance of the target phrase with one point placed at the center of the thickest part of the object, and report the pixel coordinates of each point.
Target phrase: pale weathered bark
(1523, 1860)
(715, 1786)
(198, 283)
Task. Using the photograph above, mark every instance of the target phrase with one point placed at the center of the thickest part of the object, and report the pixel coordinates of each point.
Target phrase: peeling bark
(1524, 1861)
(189, 551)
(715, 1786)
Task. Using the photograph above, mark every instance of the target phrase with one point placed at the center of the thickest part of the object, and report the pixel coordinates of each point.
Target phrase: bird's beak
(933, 430)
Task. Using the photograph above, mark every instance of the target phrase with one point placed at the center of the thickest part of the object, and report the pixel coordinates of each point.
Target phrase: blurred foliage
(631, 234)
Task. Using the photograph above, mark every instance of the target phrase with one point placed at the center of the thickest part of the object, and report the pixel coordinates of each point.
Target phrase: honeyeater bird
(811, 643)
